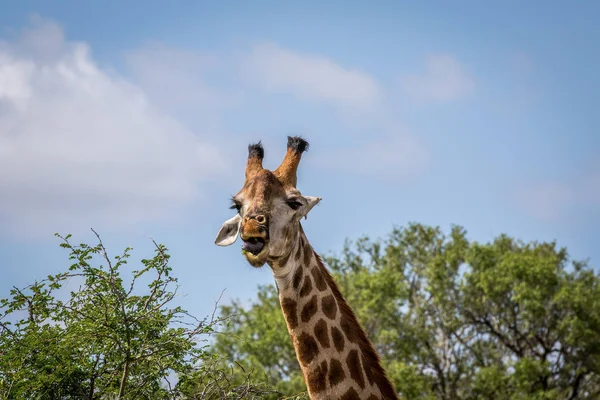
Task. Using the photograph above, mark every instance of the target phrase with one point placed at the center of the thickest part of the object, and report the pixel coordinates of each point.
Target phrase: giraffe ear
(229, 231)
(310, 203)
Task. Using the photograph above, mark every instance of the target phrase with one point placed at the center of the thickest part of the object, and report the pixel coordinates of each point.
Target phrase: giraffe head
(269, 207)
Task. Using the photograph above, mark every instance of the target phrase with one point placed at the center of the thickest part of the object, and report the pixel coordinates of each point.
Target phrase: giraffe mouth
(256, 251)
(253, 245)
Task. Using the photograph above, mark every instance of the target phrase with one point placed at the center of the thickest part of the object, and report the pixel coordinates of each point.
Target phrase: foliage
(213, 381)
(110, 338)
(257, 340)
(451, 318)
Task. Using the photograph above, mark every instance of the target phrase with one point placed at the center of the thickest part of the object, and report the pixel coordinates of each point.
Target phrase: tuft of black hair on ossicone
(297, 144)
(256, 150)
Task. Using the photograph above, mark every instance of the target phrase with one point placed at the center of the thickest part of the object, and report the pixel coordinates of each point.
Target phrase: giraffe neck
(336, 358)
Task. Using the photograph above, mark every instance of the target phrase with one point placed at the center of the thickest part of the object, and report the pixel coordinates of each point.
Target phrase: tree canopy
(451, 318)
(100, 330)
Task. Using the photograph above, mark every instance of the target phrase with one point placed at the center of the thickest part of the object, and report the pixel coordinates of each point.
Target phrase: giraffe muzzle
(254, 235)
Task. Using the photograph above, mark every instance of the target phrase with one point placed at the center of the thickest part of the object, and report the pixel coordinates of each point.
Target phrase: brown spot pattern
(318, 276)
(298, 253)
(307, 348)
(297, 277)
(338, 338)
(353, 362)
(289, 308)
(306, 287)
(350, 395)
(372, 397)
(336, 373)
(322, 333)
(316, 378)
(309, 309)
(346, 326)
(367, 369)
(307, 255)
(329, 306)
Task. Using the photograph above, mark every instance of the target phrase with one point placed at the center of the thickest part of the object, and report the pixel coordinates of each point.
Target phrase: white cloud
(545, 201)
(443, 79)
(166, 74)
(395, 156)
(361, 106)
(552, 201)
(80, 147)
(175, 79)
(310, 77)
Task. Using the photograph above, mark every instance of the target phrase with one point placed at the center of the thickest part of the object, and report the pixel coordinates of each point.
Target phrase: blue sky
(134, 118)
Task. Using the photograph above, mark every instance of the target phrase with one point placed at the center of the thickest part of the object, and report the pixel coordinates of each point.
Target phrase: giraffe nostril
(261, 219)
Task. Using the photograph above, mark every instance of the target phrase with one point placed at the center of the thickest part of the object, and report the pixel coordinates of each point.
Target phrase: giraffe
(335, 356)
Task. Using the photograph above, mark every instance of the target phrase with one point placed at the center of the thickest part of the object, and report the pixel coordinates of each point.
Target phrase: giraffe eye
(236, 206)
(294, 204)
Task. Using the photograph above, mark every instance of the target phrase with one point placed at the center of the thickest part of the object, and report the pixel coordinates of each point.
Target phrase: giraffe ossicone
(337, 359)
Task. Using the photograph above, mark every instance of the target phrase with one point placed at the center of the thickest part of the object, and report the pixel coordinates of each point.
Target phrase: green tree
(112, 338)
(257, 340)
(451, 318)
